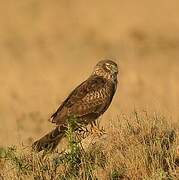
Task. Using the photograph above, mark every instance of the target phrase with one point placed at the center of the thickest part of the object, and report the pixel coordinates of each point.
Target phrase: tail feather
(50, 141)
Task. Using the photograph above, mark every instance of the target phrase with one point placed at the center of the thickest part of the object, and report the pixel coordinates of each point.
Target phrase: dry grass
(43, 43)
(142, 147)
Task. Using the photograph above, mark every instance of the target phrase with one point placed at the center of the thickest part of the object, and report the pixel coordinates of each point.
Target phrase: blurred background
(49, 47)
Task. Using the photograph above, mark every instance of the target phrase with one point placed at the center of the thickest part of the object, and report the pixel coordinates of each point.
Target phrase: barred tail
(50, 141)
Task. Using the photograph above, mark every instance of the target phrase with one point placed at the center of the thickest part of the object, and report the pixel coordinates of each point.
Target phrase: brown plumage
(86, 103)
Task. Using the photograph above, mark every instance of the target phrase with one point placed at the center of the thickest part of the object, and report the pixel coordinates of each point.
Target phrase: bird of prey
(86, 103)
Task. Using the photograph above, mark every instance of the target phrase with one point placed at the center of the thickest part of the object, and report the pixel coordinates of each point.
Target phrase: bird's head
(106, 68)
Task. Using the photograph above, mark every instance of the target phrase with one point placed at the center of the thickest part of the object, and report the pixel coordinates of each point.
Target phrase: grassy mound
(138, 146)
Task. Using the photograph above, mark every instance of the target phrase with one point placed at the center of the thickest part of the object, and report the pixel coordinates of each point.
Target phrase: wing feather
(93, 96)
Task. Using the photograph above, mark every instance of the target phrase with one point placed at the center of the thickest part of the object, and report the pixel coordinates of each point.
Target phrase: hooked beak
(115, 69)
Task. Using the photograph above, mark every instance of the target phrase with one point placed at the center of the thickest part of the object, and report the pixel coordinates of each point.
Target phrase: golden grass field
(48, 47)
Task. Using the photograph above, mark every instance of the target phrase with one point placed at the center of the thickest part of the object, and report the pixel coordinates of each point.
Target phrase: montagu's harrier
(86, 103)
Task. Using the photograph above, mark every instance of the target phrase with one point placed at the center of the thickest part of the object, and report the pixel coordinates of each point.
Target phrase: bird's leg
(95, 129)
(83, 131)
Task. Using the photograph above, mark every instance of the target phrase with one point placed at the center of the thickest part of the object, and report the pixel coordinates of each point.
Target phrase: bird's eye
(111, 67)
(108, 66)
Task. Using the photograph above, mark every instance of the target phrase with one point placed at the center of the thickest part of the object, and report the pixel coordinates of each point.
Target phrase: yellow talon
(95, 129)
